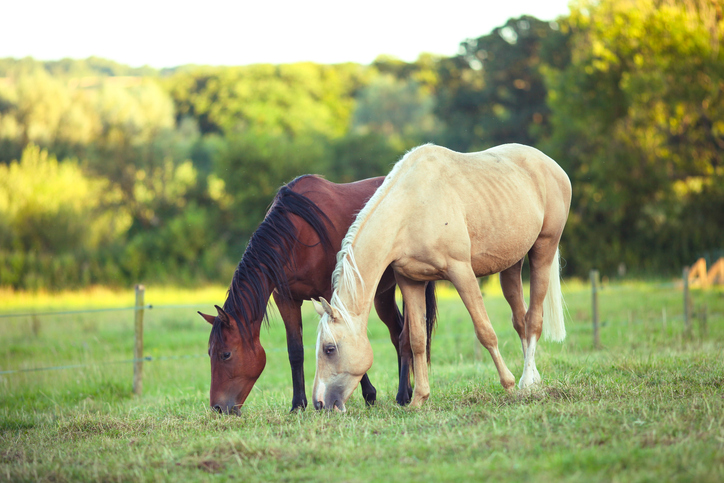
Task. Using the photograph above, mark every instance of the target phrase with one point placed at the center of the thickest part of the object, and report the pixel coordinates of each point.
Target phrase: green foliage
(290, 99)
(493, 92)
(52, 217)
(90, 67)
(361, 156)
(49, 205)
(636, 125)
(625, 94)
(251, 167)
(398, 109)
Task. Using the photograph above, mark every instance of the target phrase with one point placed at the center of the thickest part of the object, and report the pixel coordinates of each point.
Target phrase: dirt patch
(210, 466)
(11, 456)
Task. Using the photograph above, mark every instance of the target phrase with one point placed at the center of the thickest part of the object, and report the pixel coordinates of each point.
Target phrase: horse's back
(339, 203)
(490, 206)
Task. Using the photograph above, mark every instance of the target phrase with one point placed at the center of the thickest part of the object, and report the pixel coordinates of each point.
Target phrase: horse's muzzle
(334, 402)
(227, 408)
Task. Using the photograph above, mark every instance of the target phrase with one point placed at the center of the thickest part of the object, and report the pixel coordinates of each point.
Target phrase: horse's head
(344, 355)
(236, 364)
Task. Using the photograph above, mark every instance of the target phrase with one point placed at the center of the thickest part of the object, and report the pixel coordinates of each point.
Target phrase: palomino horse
(452, 216)
(292, 255)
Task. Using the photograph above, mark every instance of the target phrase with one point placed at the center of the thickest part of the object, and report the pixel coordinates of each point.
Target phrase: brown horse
(447, 215)
(291, 255)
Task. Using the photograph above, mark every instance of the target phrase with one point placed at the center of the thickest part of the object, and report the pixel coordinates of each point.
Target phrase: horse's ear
(318, 307)
(223, 316)
(328, 309)
(208, 318)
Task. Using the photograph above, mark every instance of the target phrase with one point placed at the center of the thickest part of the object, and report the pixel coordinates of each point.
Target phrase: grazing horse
(291, 255)
(453, 216)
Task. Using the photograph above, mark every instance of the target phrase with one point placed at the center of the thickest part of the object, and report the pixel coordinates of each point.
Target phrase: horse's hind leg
(541, 258)
(512, 285)
(413, 293)
(461, 275)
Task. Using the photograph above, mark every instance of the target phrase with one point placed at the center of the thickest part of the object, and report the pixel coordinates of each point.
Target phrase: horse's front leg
(291, 312)
(413, 294)
(369, 393)
(462, 276)
(389, 314)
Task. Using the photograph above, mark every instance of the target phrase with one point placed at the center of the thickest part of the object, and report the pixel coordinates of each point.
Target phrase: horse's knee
(487, 337)
(519, 325)
(533, 325)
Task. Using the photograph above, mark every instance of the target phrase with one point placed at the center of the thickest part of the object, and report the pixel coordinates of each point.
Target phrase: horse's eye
(329, 350)
(225, 356)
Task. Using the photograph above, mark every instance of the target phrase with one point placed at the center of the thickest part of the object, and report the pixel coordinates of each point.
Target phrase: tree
(249, 170)
(53, 220)
(359, 156)
(401, 110)
(289, 99)
(494, 92)
(637, 124)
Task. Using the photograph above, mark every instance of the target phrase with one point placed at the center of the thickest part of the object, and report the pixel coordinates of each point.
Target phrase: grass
(647, 406)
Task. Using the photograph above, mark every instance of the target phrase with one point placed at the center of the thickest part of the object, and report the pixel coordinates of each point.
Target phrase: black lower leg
(404, 391)
(369, 393)
(296, 360)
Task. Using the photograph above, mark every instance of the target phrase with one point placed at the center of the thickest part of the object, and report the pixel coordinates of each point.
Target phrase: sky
(221, 32)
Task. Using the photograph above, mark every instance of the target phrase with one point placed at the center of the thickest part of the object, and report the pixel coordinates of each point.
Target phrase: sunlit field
(647, 406)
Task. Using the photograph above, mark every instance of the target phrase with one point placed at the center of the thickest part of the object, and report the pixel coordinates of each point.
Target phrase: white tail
(553, 324)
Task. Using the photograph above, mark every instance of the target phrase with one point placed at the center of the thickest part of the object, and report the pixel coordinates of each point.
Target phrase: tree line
(114, 175)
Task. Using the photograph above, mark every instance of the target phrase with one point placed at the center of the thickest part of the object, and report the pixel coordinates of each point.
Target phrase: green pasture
(647, 406)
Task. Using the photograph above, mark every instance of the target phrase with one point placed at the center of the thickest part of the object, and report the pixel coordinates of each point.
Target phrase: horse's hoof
(370, 399)
(299, 405)
(530, 386)
(418, 401)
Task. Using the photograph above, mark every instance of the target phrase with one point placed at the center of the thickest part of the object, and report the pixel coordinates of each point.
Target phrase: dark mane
(270, 249)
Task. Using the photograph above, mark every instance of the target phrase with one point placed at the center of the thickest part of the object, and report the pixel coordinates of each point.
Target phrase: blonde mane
(346, 273)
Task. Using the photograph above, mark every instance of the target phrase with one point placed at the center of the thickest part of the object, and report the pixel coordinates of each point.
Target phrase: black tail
(430, 314)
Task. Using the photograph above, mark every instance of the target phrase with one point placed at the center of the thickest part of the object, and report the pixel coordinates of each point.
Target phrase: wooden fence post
(687, 303)
(594, 307)
(663, 317)
(138, 346)
(702, 321)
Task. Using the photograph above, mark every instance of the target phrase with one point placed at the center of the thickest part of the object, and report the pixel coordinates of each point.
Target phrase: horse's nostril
(318, 405)
(217, 408)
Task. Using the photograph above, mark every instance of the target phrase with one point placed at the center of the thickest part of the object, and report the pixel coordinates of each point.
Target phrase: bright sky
(222, 32)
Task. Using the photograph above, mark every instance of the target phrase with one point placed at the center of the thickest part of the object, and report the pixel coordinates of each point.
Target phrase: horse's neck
(373, 252)
(260, 292)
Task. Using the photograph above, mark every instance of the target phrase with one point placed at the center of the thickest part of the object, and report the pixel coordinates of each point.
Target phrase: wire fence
(597, 287)
(90, 311)
(139, 308)
(101, 363)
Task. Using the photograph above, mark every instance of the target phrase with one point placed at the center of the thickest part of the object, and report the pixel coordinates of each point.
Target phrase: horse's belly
(497, 248)
(486, 264)
(420, 269)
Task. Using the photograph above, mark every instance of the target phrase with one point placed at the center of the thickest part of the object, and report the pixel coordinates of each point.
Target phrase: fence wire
(604, 288)
(90, 311)
(102, 363)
